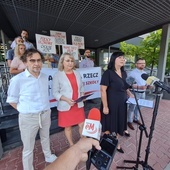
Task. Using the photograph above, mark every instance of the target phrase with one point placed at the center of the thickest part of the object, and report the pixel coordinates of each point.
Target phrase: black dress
(116, 120)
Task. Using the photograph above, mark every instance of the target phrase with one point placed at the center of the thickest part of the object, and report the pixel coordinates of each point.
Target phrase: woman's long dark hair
(111, 65)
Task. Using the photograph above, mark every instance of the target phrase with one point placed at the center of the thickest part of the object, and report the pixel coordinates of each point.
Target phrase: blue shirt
(10, 54)
(136, 74)
(87, 62)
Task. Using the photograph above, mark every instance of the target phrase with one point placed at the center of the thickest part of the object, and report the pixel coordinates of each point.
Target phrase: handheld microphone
(92, 129)
(130, 81)
(92, 125)
(151, 80)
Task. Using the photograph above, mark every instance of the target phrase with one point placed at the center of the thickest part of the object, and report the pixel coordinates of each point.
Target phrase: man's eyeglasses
(34, 61)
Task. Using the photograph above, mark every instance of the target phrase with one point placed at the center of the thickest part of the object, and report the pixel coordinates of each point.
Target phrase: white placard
(141, 102)
(91, 80)
(60, 37)
(72, 49)
(78, 41)
(45, 44)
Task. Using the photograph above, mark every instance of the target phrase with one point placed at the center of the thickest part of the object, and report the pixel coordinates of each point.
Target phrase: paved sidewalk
(159, 156)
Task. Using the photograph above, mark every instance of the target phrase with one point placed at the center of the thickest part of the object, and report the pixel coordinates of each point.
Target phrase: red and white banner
(78, 41)
(91, 80)
(72, 49)
(45, 44)
(60, 37)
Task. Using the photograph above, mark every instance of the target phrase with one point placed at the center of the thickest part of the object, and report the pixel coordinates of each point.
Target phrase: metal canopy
(101, 22)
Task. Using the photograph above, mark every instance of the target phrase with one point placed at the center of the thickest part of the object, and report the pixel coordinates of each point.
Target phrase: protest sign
(60, 37)
(72, 49)
(78, 41)
(45, 44)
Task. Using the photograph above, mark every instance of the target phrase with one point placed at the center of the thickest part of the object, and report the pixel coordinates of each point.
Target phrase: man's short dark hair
(24, 30)
(86, 50)
(139, 59)
(29, 53)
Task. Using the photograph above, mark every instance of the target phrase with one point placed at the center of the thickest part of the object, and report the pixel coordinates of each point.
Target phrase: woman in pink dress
(17, 66)
(67, 87)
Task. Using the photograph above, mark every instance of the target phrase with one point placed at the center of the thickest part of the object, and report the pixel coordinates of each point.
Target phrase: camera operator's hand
(84, 145)
(72, 156)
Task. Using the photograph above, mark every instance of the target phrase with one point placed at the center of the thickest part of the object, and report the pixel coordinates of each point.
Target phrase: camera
(103, 158)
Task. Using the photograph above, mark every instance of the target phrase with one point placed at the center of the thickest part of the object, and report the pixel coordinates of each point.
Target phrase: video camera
(103, 158)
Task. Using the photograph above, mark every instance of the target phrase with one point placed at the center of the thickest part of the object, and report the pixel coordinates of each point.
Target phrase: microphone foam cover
(144, 76)
(94, 114)
(130, 80)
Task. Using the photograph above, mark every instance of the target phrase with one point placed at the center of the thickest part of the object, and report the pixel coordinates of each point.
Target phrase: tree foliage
(149, 49)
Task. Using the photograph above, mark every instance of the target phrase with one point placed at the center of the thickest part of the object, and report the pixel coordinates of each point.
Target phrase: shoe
(120, 150)
(130, 126)
(51, 159)
(137, 121)
(127, 134)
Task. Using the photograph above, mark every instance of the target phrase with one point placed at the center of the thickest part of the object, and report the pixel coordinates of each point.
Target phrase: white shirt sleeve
(13, 91)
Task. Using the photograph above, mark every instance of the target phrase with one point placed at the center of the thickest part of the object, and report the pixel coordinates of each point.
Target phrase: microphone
(151, 80)
(103, 158)
(92, 129)
(92, 125)
(130, 81)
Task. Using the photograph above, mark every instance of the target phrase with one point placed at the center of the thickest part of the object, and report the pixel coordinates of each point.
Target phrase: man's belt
(139, 91)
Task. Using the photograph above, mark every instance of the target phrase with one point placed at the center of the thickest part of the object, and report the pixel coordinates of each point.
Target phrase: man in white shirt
(87, 61)
(139, 88)
(28, 93)
(24, 35)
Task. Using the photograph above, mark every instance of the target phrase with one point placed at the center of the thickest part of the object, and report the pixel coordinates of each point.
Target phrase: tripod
(141, 128)
(155, 112)
(144, 164)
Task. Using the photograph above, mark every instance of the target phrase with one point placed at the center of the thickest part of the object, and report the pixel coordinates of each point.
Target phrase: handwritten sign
(60, 37)
(78, 41)
(72, 49)
(45, 44)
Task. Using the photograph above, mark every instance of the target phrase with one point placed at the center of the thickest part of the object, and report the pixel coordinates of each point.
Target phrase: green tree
(131, 51)
(149, 49)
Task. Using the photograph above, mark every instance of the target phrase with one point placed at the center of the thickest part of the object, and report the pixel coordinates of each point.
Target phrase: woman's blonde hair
(16, 51)
(60, 63)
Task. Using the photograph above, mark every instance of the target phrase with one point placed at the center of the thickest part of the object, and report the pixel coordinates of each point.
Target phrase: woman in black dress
(114, 91)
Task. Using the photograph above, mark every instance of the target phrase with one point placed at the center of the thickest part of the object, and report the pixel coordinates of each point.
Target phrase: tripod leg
(129, 161)
(124, 167)
(147, 167)
(155, 112)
